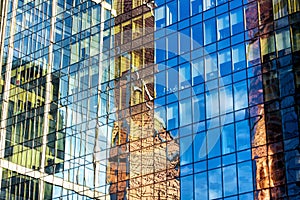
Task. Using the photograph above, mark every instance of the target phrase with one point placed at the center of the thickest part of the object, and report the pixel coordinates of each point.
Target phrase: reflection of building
(143, 152)
(143, 99)
(268, 121)
(24, 132)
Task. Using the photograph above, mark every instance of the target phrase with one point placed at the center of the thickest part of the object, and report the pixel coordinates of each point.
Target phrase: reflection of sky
(186, 188)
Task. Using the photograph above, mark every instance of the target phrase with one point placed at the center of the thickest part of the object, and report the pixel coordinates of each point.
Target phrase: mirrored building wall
(129, 99)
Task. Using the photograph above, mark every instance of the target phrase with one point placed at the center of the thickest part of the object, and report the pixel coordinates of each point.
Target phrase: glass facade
(163, 99)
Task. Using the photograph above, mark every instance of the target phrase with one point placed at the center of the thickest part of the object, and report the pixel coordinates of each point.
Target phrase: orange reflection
(144, 158)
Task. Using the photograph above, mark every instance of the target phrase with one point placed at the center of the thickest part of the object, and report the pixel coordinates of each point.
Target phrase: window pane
(224, 62)
(186, 187)
(253, 53)
(207, 4)
(226, 100)
(283, 41)
(228, 139)
(296, 37)
(212, 103)
(184, 76)
(172, 44)
(213, 142)
(240, 95)
(294, 6)
(171, 13)
(186, 150)
(236, 21)
(209, 31)
(238, 57)
(185, 112)
(160, 83)
(197, 71)
(172, 80)
(196, 6)
(267, 46)
(199, 147)
(245, 177)
(184, 7)
(242, 135)
(198, 108)
(200, 186)
(160, 18)
(211, 66)
(197, 36)
(160, 50)
(230, 180)
(223, 26)
(172, 116)
(215, 184)
(280, 8)
(185, 41)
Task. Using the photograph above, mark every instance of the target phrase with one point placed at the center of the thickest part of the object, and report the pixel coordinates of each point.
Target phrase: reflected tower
(144, 158)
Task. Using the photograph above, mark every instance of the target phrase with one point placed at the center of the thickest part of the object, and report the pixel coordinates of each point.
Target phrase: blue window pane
(200, 166)
(186, 189)
(238, 57)
(219, 2)
(185, 109)
(172, 116)
(226, 101)
(213, 142)
(242, 135)
(199, 147)
(160, 17)
(236, 21)
(172, 44)
(238, 76)
(246, 196)
(171, 13)
(245, 182)
(184, 9)
(197, 71)
(212, 103)
(228, 159)
(240, 95)
(244, 155)
(211, 66)
(223, 26)
(172, 76)
(228, 139)
(215, 184)
(197, 36)
(184, 76)
(207, 4)
(198, 108)
(214, 163)
(209, 31)
(200, 187)
(224, 62)
(196, 6)
(186, 170)
(160, 84)
(160, 50)
(186, 150)
(185, 40)
(230, 180)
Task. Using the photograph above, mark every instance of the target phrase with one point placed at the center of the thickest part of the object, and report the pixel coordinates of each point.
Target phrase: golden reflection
(144, 158)
(266, 125)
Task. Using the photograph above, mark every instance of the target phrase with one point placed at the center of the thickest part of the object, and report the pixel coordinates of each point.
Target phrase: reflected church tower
(144, 158)
(265, 118)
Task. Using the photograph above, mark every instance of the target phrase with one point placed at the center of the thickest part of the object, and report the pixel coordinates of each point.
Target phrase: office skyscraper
(141, 99)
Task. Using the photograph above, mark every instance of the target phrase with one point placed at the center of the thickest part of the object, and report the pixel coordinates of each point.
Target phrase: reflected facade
(164, 99)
